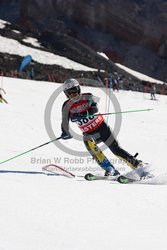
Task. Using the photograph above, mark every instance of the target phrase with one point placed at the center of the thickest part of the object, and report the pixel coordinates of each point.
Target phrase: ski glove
(66, 136)
(78, 116)
(90, 112)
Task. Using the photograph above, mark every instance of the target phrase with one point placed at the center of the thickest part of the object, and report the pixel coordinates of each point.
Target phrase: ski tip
(89, 177)
(124, 180)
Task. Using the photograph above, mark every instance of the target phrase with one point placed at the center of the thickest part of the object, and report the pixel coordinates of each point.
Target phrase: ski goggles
(71, 91)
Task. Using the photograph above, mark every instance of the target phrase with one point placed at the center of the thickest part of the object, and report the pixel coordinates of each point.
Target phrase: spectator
(110, 81)
(106, 80)
(2, 73)
(153, 92)
(99, 76)
(115, 84)
(31, 74)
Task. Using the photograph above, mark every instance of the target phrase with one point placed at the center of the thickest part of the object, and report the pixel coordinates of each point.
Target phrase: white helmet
(71, 86)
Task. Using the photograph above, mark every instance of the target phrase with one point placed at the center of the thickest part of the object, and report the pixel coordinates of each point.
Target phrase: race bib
(89, 124)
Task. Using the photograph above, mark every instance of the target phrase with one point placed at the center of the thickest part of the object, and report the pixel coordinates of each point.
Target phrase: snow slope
(14, 47)
(41, 212)
(138, 75)
(11, 46)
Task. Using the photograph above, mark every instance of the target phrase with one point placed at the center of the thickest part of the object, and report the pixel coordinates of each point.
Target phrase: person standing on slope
(1, 97)
(81, 108)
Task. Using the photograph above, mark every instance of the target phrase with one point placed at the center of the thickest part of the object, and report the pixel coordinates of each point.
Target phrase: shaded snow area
(44, 212)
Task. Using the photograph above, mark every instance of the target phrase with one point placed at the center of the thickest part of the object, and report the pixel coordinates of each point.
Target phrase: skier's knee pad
(95, 151)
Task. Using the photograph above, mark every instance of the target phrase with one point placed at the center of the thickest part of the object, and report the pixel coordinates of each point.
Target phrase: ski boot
(142, 172)
(114, 172)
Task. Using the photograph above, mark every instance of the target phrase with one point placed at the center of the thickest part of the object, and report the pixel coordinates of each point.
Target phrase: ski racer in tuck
(82, 109)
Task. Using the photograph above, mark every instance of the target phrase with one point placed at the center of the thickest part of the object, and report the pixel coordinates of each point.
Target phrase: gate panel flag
(26, 60)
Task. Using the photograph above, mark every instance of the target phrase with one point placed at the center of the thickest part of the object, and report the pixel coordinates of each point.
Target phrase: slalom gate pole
(30, 150)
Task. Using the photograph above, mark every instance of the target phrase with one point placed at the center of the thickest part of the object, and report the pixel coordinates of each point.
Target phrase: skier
(1, 97)
(153, 92)
(82, 109)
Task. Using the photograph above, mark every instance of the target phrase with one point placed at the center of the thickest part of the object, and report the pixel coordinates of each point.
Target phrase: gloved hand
(78, 116)
(66, 136)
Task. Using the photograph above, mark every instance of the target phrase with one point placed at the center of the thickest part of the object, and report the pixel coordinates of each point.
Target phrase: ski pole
(30, 150)
(113, 113)
(123, 112)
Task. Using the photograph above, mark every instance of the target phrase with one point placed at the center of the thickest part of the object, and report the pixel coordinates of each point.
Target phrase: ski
(91, 177)
(121, 178)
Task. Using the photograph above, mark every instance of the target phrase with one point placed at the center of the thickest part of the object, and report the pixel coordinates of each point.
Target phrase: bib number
(85, 120)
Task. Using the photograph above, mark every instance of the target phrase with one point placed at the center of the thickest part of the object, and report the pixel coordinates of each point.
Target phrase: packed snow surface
(41, 212)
